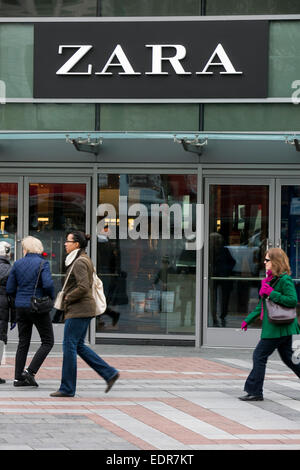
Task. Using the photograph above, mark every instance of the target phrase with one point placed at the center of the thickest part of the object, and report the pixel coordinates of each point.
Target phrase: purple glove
(268, 277)
(244, 325)
(265, 290)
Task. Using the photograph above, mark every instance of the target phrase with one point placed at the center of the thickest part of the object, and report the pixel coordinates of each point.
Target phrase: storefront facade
(145, 166)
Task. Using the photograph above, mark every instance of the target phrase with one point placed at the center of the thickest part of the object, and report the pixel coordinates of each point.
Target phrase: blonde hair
(280, 261)
(32, 245)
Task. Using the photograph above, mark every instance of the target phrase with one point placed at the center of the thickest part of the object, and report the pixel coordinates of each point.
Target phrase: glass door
(287, 233)
(45, 208)
(239, 226)
(10, 224)
(52, 206)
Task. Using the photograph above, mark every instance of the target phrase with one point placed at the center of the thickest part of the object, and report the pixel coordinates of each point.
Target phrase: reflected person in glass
(279, 287)
(79, 309)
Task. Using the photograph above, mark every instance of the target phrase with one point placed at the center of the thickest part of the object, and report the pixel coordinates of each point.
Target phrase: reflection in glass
(147, 272)
(8, 214)
(290, 229)
(238, 230)
(54, 209)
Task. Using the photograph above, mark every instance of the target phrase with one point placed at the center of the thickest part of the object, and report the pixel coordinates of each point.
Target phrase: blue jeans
(265, 347)
(74, 334)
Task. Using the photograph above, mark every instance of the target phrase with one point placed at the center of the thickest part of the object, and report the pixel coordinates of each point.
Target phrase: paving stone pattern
(161, 402)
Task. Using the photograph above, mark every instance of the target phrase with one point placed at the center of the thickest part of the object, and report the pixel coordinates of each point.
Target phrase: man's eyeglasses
(267, 260)
(70, 241)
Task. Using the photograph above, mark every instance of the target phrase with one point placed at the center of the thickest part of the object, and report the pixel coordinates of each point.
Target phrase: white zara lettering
(224, 61)
(123, 62)
(82, 50)
(157, 59)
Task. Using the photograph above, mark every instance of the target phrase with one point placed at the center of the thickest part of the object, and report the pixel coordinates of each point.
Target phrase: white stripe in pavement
(216, 447)
(263, 436)
(44, 411)
(246, 364)
(283, 400)
(291, 384)
(148, 434)
(187, 421)
(242, 412)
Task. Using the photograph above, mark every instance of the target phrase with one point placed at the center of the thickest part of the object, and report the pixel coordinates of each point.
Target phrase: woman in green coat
(273, 336)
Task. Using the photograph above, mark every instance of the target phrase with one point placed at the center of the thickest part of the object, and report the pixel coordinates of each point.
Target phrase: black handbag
(40, 305)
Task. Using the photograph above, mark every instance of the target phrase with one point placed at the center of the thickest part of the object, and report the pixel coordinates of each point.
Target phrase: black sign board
(151, 60)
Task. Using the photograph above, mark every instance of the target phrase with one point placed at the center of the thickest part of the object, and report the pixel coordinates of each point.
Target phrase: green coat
(284, 293)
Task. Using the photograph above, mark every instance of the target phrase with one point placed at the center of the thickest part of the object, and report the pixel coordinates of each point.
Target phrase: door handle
(279, 243)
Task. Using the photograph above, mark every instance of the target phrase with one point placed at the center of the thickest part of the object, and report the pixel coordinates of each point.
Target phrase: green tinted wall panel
(150, 8)
(70, 117)
(149, 117)
(284, 57)
(16, 59)
(36, 8)
(252, 7)
(252, 117)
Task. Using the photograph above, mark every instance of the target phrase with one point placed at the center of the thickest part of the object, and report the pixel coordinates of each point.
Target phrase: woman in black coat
(7, 312)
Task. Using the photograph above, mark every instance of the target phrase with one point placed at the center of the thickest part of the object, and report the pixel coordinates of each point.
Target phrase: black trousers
(265, 347)
(25, 320)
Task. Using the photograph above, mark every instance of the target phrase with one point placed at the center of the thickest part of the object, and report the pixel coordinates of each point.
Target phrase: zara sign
(151, 60)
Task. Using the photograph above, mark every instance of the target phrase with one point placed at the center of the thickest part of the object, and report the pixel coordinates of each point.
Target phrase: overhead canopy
(150, 147)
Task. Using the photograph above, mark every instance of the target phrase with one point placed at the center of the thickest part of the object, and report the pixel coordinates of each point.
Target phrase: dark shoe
(21, 383)
(111, 382)
(115, 318)
(252, 398)
(29, 377)
(59, 394)
(2, 381)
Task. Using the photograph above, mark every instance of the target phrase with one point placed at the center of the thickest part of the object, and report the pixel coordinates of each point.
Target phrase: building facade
(167, 130)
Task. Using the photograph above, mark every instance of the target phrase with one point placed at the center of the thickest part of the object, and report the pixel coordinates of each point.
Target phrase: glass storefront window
(238, 232)
(55, 208)
(142, 257)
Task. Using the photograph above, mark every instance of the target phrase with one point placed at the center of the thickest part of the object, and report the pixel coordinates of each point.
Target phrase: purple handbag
(280, 315)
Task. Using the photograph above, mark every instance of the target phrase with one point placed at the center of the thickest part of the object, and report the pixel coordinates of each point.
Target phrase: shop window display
(149, 278)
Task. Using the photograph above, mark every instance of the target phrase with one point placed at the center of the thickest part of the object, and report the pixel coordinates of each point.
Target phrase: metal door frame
(19, 180)
(171, 170)
(279, 183)
(231, 337)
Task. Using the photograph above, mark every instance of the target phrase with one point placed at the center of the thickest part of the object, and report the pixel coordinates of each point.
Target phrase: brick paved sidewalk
(170, 402)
